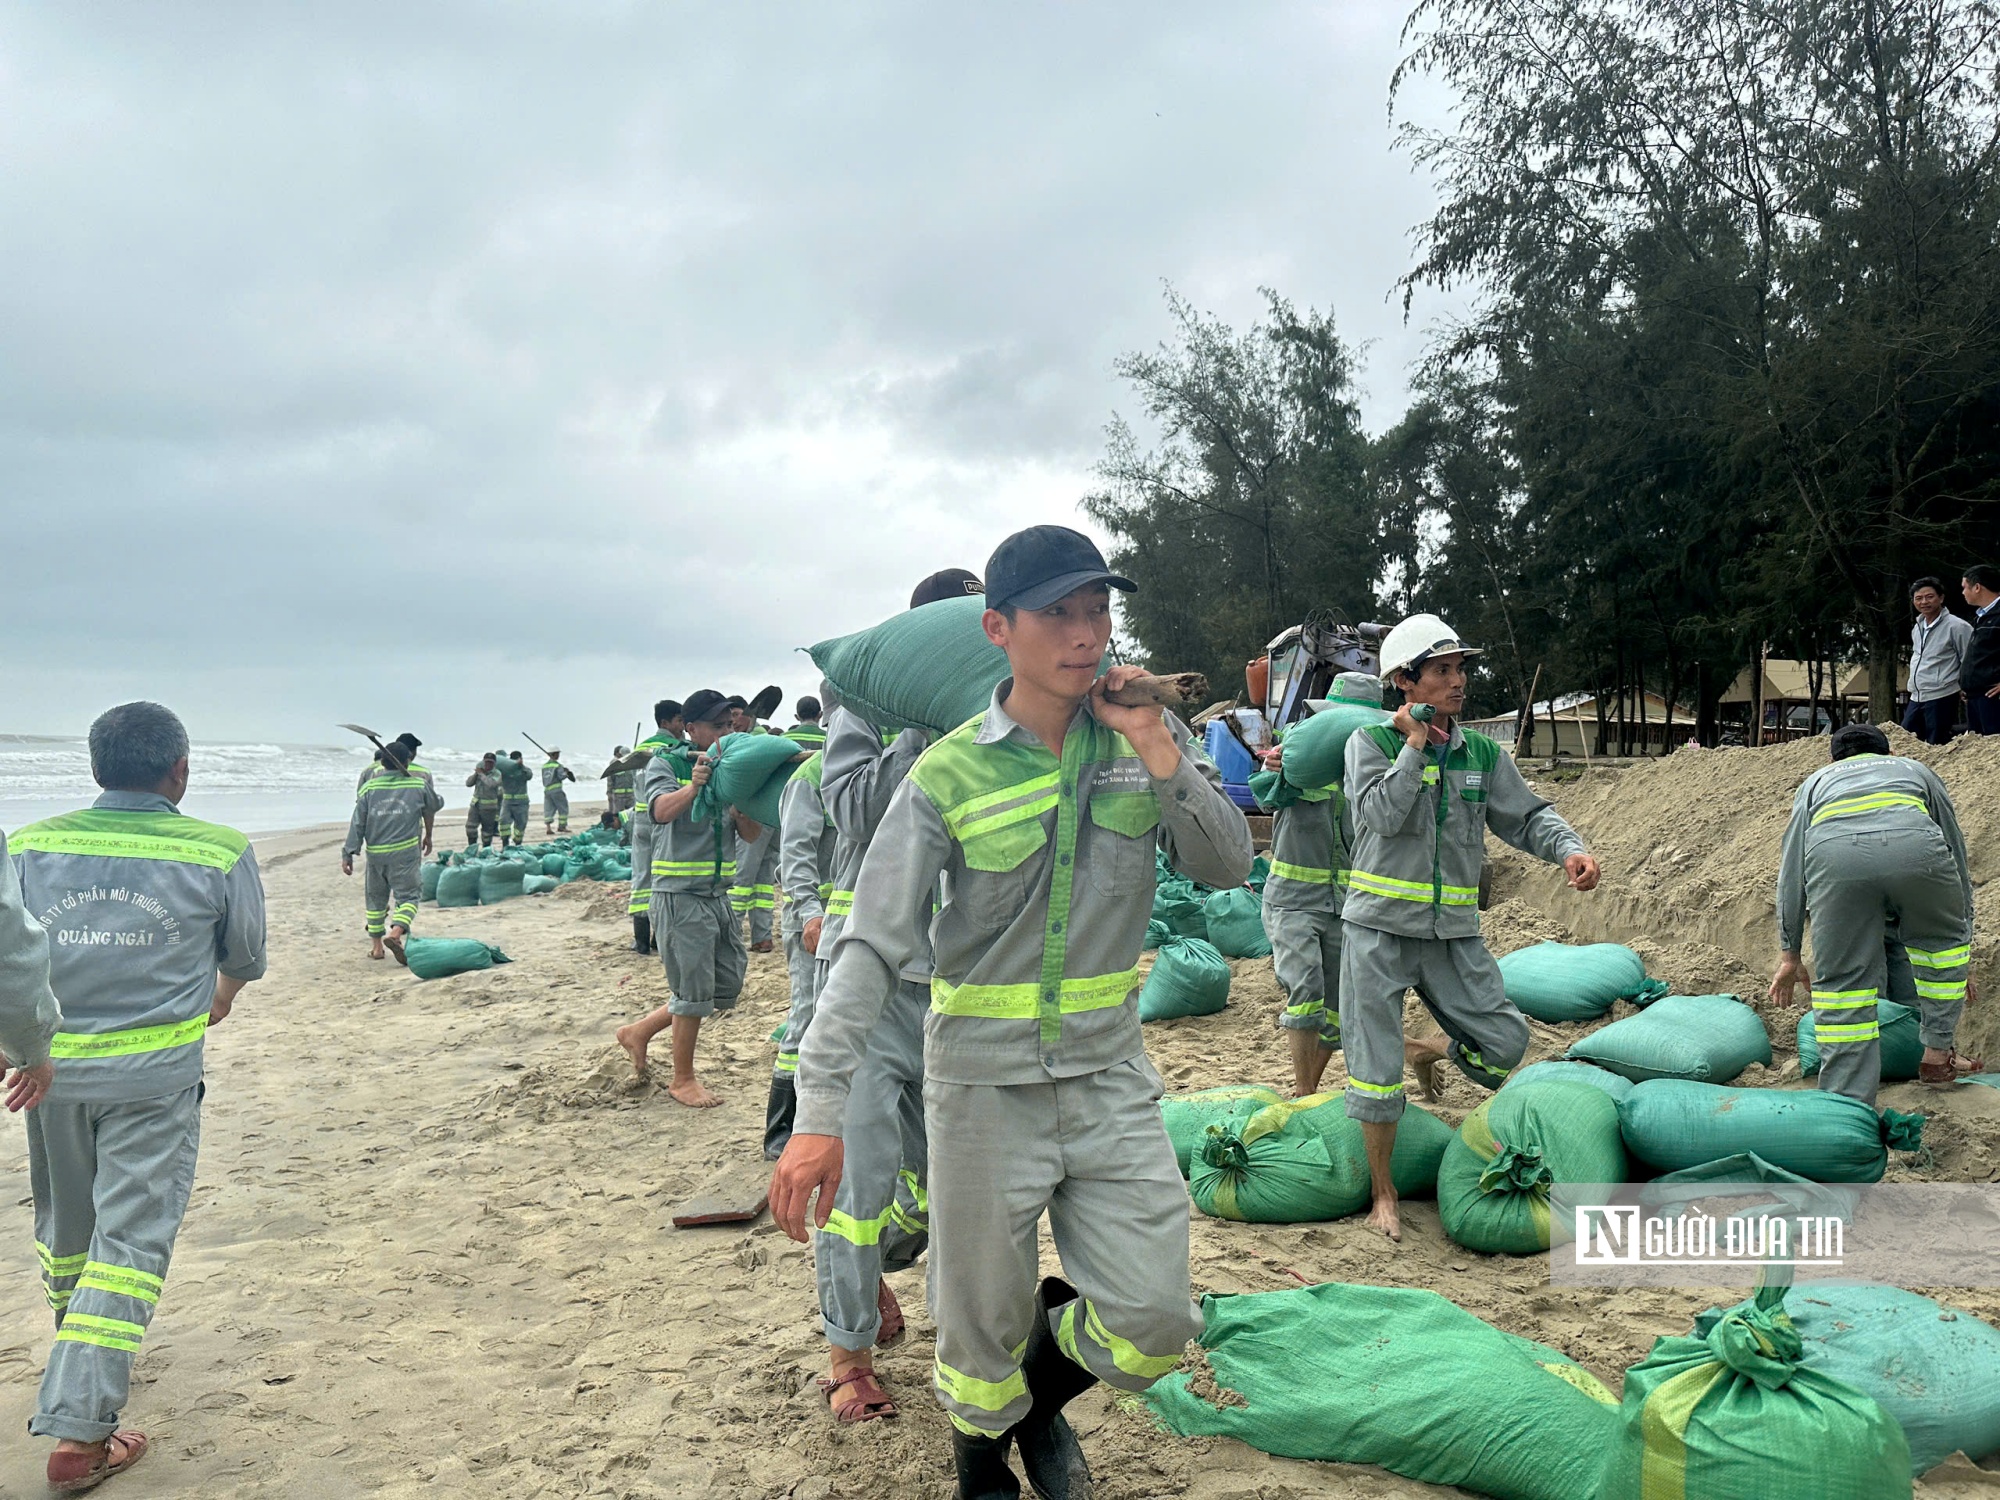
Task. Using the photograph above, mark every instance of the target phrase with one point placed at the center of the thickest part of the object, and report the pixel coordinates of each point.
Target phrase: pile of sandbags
(1302, 1161)
(1708, 1038)
(1576, 981)
(1494, 1184)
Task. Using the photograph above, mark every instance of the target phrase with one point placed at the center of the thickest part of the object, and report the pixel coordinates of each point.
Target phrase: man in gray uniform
(1044, 817)
(409, 745)
(693, 867)
(669, 733)
(555, 801)
(805, 872)
(620, 786)
(756, 888)
(482, 814)
(29, 1015)
(158, 922)
(1424, 794)
(1303, 894)
(514, 778)
(1874, 859)
(393, 816)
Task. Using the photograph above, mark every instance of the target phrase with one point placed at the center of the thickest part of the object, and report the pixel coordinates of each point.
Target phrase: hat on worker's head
(1357, 687)
(554, 752)
(1032, 569)
(946, 583)
(706, 707)
(1416, 640)
(410, 742)
(395, 756)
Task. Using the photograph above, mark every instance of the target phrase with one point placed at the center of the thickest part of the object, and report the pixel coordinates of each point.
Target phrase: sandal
(73, 1473)
(865, 1400)
(395, 945)
(1946, 1074)
(891, 1332)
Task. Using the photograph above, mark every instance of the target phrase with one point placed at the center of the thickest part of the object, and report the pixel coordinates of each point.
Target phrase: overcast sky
(472, 368)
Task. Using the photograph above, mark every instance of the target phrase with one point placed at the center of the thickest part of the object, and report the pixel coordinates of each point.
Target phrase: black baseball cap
(1034, 568)
(946, 583)
(406, 738)
(705, 707)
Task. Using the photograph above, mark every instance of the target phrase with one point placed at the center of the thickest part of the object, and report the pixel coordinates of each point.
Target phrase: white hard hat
(1418, 637)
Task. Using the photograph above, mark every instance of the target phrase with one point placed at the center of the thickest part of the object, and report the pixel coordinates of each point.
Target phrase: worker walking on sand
(555, 801)
(482, 815)
(393, 817)
(1873, 858)
(669, 732)
(158, 922)
(805, 871)
(880, 1218)
(807, 731)
(1424, 795)
(1043, 815)
(699, 944)
(1311, 831)
(619, 785)
(514, 778)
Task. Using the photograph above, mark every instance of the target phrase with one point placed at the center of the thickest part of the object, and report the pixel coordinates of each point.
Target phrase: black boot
(1051, 1456)
(982, 1467)
(778, 1112)
(642, 933)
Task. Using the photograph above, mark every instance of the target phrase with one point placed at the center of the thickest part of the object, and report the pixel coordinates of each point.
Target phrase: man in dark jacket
(1980, 677)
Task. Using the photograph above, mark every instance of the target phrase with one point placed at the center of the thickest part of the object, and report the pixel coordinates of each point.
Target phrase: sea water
(257, 788)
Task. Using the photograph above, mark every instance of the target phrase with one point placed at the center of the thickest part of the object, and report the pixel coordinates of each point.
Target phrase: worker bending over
(1424, 795)
(1873, 858)
(482, 815)
(158, 922)
(1311, 830)
(670, 732)
(555, 801)
(1043, 816)
(393, 817)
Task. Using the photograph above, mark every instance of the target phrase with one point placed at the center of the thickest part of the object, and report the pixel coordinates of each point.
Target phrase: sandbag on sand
(438, 958)
(1302, 1161)
(1562, 1070)
(1674, 1124)
(1235, 922)
(429, 877)
(1402, 1379)
(500, 880)
(1902, 1042)
(1494, 1183)
(1188, 1116)
(1189, 978)
(459, 886)
(1576, 981)
(1708, 1038)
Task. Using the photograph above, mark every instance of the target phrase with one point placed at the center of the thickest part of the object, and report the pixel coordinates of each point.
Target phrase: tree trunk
(1707, 702)
(1884, 645)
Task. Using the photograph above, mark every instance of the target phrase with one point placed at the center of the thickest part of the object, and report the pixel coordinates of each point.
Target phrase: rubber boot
(1051, 1456)
(642, 933)
(778, 1112)
(982, 1467)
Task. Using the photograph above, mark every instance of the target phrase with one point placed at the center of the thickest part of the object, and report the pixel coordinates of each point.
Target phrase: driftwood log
(1176, 690)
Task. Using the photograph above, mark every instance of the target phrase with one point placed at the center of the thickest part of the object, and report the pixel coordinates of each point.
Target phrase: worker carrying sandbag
(555, 801)
(1874, 859)
(1425, 791)
(1311, 832)
(619, 784)
(514, 777)
(669, 736)
(482, 814)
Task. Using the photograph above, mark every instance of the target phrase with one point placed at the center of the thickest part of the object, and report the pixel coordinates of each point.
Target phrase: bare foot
(376, 951)
(692, 1094)
(1383, 1216)
(634, 1042)
(1422, 1058)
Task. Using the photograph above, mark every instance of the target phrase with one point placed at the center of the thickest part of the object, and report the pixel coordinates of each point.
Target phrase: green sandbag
(428, 877)
(1260, 872)
(1576, 981)
(436, 958)
(749, 775)
(1709, 1038)
(539, 885)
(1398, 1378)
(1902, 1042)
(926, 668)
(1235, 921)
(1157, 932)
(1823, 1137)
(1493, 1187)
(1179, 904)
(459, 886)
(1935, 1369)
(500, 881)
(1188, 1116)
(553, 862)
(1738, 1413)
(1316, 748)
(1265, 1170)
(1561, 1070)
(1189, 978)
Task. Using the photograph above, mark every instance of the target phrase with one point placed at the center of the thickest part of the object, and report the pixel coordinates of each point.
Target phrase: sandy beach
(429, 1249)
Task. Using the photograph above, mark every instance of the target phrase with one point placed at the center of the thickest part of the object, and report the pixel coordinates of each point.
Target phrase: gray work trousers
(700, 949)
(110, 1184)
(756, 888)
(482, 823)
(514, 818)
(1869, 894)
(1305, 955)
(393, 884)
(1091, 1153)
(804, 971)
(880, 1212)
(555, 807)
(1460, 985)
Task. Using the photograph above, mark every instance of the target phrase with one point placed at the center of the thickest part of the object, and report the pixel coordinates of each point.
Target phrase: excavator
(1300, 664)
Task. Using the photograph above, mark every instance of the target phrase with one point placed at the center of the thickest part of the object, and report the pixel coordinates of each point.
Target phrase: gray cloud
(444, 364)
